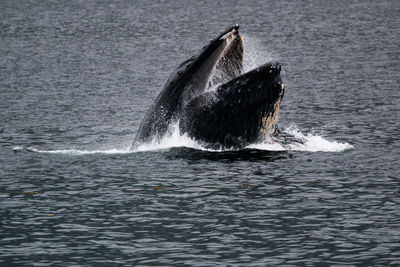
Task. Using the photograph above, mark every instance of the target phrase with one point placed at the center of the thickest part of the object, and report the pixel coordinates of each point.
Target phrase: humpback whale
(242, 110)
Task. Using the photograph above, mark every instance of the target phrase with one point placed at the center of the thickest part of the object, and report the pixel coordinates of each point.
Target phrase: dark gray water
(76, 78)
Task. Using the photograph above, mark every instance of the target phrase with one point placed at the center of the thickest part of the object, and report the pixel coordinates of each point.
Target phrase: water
(77, 77)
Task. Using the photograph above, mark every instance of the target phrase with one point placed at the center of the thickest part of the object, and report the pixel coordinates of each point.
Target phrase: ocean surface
(76, 78)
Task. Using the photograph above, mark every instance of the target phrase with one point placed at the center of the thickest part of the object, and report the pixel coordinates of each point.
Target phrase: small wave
(310, 142)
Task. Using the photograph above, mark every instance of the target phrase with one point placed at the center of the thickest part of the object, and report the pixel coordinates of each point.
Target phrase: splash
(309, 142)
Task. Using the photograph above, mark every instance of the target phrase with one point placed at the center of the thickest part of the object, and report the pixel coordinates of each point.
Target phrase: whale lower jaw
(238, 113)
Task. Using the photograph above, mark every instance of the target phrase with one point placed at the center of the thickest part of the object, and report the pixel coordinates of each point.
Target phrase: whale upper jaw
(190, 80)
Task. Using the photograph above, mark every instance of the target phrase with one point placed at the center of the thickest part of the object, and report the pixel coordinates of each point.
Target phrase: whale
(242, 110)
(238, 113)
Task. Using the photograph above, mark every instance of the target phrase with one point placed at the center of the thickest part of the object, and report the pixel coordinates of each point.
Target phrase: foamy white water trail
(74, 152)
(310, 142)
